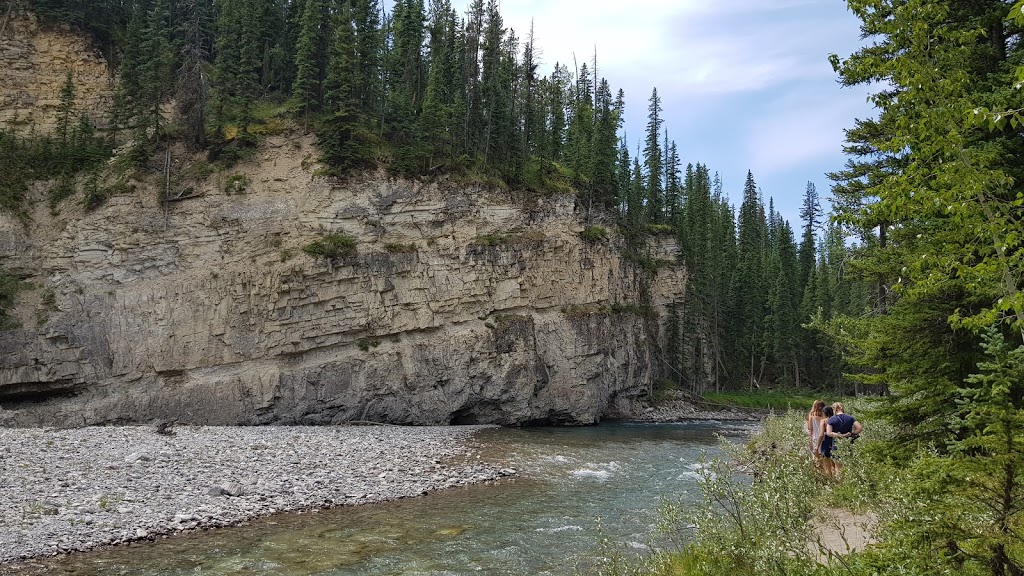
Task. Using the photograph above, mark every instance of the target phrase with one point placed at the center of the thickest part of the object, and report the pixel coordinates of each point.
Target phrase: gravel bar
(66, 490)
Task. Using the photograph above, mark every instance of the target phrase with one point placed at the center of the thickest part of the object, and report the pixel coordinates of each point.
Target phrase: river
(576, 487)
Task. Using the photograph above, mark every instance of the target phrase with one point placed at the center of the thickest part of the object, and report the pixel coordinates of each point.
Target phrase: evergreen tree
(191, 86)
(750, 289)
(310, 57)
(655, 191)
(810, 212)
(474, 122)
(369, 48)
(66, 109)
(406, 81)
(437, 129)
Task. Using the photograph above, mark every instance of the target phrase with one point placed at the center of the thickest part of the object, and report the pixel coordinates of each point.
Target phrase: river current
(577, 487)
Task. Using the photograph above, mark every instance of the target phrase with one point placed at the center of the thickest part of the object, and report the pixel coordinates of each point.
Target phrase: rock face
(460, 306)
(34, 63)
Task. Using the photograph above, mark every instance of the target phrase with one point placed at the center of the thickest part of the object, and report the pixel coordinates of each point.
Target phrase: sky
(745, 84)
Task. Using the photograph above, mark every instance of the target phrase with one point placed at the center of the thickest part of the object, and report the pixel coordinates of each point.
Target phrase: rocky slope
(461, 305)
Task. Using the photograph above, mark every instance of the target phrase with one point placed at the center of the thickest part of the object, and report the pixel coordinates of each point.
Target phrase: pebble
(65, 490)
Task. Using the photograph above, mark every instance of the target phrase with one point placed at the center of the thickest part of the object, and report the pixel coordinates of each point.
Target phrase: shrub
(366, 343)
(399, 248)
(594, 234)
(63, 188)
(96, 194)
(331, 246)
(492, 240)
(236, 184)
(645, 263)
(660, 229)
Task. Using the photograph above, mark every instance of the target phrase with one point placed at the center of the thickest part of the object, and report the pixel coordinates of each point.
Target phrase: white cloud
(696, 46)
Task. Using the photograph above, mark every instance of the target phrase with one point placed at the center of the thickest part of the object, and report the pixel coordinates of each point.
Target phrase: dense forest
(422, 91)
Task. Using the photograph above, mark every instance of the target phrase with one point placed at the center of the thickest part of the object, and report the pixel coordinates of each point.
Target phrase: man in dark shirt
(841, 425)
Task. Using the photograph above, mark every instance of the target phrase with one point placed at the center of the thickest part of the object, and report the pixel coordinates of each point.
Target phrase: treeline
(423, 90)
(757, 290)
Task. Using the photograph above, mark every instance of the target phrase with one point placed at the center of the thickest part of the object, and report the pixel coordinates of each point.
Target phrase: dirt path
(841, 532)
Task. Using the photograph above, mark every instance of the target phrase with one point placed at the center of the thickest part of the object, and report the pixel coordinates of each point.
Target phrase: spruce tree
(655, 190)
(310, 58)
(66, 109)
(191, 86)
(749, 288)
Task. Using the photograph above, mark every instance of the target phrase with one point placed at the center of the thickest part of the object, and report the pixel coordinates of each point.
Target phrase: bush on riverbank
(766, 511)
(780, 400)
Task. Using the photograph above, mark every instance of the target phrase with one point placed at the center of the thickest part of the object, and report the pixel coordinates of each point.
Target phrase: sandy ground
(841, 532)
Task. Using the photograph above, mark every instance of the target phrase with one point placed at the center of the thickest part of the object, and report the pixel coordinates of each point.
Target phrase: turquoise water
(576, 486)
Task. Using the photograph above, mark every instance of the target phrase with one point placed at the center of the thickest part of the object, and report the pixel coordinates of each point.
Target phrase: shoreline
(74, 490)
(679, 407)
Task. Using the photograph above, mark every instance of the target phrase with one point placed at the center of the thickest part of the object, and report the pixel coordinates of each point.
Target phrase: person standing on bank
(841, 425)
(825, 442)
(813, 427)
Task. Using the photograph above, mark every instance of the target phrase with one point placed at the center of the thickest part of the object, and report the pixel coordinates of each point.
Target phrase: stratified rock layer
(34, 64)
(460, 306)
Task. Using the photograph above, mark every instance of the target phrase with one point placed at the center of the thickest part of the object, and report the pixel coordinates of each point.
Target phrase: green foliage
(594, 234)
(754, 523)
(63, 188)
(399, 248)
(332, 246)
(31, 157)
(645, 263)
(236, 184)
(365, 344)
(781, 400)
(660, 229)
(96, 194)
(634, 309)
(582, 310)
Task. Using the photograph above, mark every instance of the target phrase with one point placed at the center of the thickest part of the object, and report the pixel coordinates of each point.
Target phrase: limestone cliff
(461, 305)
(34, 63)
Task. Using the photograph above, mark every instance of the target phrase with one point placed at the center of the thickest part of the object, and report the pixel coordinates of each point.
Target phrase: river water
(576, 487)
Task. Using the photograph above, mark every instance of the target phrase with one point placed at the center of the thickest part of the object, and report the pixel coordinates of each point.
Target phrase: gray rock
(137, 457)
(233, 489)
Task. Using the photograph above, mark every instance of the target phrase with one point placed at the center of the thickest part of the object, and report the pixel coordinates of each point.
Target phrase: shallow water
(576, 486)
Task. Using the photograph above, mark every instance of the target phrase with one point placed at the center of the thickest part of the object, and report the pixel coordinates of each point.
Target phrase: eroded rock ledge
(460, 306)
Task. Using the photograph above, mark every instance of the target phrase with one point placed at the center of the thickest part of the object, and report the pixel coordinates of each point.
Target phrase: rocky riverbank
(65, 490)
(679, 407)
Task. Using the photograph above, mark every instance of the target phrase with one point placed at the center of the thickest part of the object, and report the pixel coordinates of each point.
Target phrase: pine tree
(66, 109)
(750, 289)
(369, 48)
(156, 76)
(191, 86)
(655, 190)
(811, 214)
(310, 57)
(406, 82)
(437, 129)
